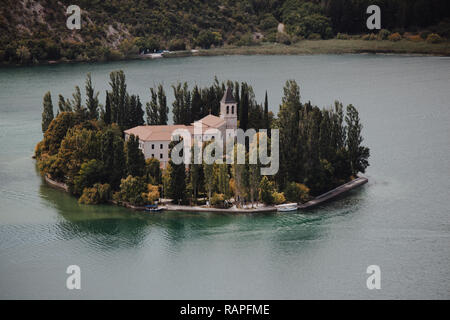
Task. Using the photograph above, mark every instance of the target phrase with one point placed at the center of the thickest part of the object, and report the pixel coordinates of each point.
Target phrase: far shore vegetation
(84, 146)
(334, 46)
(33, 32)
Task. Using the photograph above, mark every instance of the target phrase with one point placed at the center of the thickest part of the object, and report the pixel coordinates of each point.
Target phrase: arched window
(228, 109)
(232, 109)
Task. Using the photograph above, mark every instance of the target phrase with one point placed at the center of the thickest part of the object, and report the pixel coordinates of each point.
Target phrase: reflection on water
(111, 227)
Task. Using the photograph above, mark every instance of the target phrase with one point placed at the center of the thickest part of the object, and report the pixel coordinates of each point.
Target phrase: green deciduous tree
(266, 189)
(133, 190)
(153, 171)
(90, 173)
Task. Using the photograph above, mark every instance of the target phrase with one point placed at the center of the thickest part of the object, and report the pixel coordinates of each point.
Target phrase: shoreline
(303, 47)
(325, 197)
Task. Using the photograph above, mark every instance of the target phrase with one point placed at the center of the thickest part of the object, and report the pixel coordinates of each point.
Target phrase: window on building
(232, 109)
(153, 146)
(160, 155)
(160, 146)
(228, 109)
(153, 155)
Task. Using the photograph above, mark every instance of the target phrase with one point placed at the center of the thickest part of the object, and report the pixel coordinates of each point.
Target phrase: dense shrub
(384, 34)
(424, 34)
(415, 38)
(99, 193)
(245, 40)
(278, 197)
(268, 22)
(314, 36)
(177, 45)
(342, 36)
(132, 190)
(207, 38)
(283, 38)
(217, 199)
(90, 172)
(152, 194)
(395, 37)
(434, 38)
(266, 189)
(296, 192)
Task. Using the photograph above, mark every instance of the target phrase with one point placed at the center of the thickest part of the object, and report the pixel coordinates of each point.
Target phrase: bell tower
(228, 109)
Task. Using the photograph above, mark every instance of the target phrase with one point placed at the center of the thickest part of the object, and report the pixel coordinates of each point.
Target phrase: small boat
(153, 208)
(156, 55)
(287, 207)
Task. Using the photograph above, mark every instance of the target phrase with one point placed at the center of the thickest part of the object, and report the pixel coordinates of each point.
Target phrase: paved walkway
(172, 207)
(334, 193)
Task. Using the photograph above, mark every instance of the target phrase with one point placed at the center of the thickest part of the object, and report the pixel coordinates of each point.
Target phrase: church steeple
(228, 97)
(228, 109)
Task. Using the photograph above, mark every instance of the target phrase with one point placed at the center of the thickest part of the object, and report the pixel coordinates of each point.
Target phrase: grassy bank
(335, 46)
(304, 47)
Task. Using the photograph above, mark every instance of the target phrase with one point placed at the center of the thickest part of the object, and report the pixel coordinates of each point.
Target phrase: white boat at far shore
(287, 207)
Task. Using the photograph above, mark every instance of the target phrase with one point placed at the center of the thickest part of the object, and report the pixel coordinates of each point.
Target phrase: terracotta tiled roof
(164, 132)
(157, 133)
(211, 121)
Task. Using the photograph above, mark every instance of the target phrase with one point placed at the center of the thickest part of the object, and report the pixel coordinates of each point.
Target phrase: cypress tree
(266, 113)
(118, 97)
(237, 98)
(195, 171)
(177, 185)
(47, 113)
(135, 114)
(357, 154)
(177, 105)
(187, 112)
(76, 102)
(135, 161)
(163, 111)
(288, 117)
(152, 109)
(64, 104)
(107, 114)
(196, 108)
(244, 104)
(208, 171)
(91, 99)
(119, 163)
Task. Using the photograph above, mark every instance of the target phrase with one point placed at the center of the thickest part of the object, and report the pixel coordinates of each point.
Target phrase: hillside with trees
(33, 31)
(84, 146)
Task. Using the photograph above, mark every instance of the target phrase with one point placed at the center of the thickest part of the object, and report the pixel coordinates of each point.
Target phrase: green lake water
(399, 221)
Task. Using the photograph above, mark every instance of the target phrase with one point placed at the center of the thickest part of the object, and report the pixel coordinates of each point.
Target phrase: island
(109, 154)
